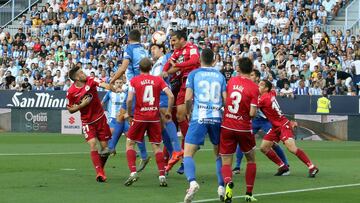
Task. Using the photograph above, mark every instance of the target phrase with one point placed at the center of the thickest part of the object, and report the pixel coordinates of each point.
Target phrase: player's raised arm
(120, 72)
(129, 101)
(189, 100)
(189, 94)
(130, 55)
(105, 99)
(171, 99)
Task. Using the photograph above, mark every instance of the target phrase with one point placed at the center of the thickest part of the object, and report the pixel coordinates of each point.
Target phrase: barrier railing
(13, 9)
(352, 11)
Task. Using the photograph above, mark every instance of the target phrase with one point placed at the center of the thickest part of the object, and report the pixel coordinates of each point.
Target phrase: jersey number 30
(210, 91)
(149, 95)
(236, 99)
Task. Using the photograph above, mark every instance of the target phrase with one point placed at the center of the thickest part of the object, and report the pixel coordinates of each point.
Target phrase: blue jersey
(156, 71)
(207, 84)
(114, 100)
(134, 53)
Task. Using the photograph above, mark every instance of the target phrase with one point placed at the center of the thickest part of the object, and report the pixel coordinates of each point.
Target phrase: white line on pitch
(67, 169)
(62, 153)
(287, 192)
(42, 153)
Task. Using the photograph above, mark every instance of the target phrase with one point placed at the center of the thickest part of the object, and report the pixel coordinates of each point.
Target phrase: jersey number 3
(149, 95)
(236, 99)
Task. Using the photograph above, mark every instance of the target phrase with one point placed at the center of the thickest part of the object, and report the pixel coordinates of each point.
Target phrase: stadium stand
(290, 41)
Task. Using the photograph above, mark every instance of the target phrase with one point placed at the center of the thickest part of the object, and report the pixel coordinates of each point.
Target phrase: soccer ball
(159, 37)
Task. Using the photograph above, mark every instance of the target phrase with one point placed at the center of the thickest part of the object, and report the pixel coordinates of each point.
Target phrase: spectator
(38, 86)
(26, 86)
(301, 90)
(315, 89)
(287, 91)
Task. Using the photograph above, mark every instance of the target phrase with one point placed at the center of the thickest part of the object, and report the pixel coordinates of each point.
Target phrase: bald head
(145, 65)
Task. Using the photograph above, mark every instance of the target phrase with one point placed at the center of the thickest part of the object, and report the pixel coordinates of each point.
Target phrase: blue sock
(167, 142)
(218, 172)
(189, 167)
(142, 148)
(118, 130)
(239, 156)
(280, 152)
(172, 133)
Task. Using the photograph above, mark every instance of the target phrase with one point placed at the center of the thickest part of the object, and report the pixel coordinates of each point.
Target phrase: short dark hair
(268, 85)
(135, 35)
(180, 33)
(257, 73)
(245, 65)
(72, 73)
(207, 56)
(162, 46)
(145, 65)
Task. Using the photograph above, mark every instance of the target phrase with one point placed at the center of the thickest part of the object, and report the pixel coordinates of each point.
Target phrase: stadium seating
(290, 42)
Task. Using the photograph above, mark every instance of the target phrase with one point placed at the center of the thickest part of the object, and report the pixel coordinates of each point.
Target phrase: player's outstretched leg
(180, 169)
(290, 144)
(144, 156)
(221, 189)
(266, 148)
(159, 156)
(177, 154)
(96, 160)
(118, 130)
(239, 156)
(189, 166)
(281, 154)
(229, 185)
(167, 142)
(250, 175)
(131, 158)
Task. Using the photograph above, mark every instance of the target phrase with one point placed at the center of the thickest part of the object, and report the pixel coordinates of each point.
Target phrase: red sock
(303, 157)
(131, 158)
(166, 155)
(95, 157)
(103, 161)
(184, 125)
(273, 157)
(160, 162)
(226, 173)
(250, 175)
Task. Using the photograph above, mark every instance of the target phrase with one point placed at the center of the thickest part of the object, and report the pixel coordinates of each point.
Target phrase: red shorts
(229, 139)
(99, 129)
(180, 98)
(281, 133)
(137, 130)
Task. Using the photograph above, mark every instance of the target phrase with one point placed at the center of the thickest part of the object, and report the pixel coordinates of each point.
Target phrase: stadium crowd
(285, 39)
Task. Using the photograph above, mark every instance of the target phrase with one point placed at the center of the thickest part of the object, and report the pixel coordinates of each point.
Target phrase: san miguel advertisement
(34, 99)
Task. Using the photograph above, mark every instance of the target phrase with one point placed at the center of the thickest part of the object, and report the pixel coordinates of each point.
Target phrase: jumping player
(169, 132)
(184, 59)
(207, 87)
(82, 96)
(281, 130)
(259, 123)
(146, 89)
(236, 129)
(114, 102)
(133, 53)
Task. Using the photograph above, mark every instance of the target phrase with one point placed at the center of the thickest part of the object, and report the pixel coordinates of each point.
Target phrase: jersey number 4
(236, 99)
(149, 95)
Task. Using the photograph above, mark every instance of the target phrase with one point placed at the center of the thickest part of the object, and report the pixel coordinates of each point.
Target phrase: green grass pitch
(56, 168)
